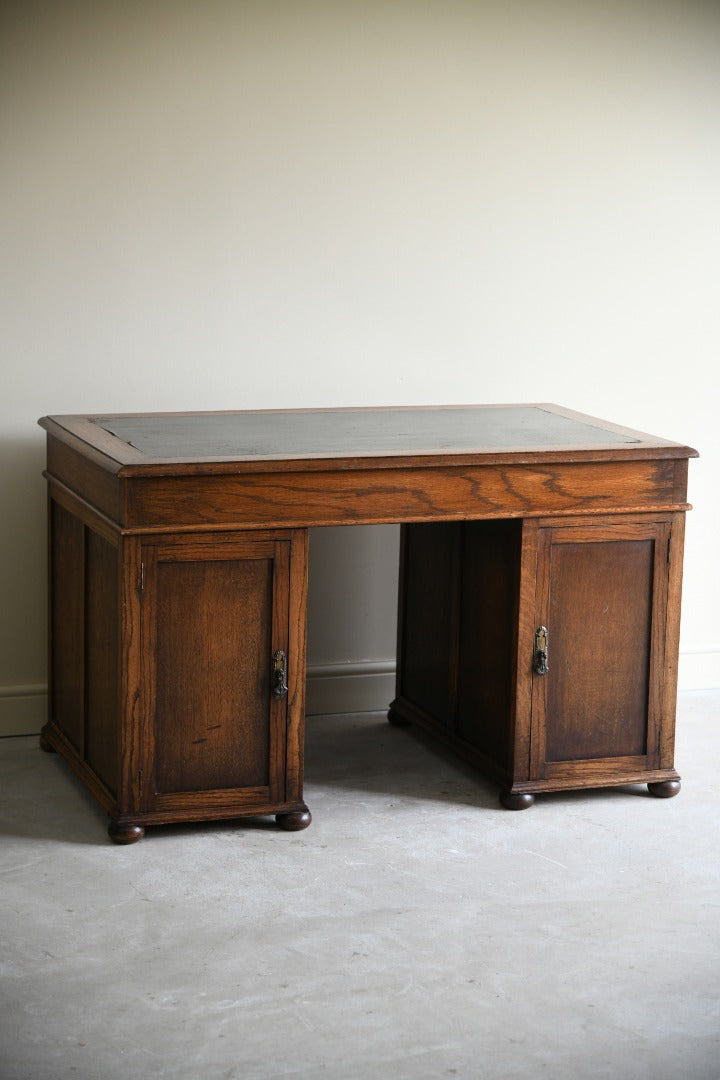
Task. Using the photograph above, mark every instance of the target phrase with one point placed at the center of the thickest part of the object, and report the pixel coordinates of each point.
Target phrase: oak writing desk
(539, 597)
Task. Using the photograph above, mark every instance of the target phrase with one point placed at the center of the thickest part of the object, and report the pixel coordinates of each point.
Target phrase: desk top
(148, 441)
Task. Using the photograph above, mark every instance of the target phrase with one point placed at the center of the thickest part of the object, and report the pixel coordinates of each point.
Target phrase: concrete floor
(415, 930)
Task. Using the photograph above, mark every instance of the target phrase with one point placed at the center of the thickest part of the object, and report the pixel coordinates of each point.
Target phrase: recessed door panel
(216, 613)
(214, 643)
(602, 597)
(600, 611)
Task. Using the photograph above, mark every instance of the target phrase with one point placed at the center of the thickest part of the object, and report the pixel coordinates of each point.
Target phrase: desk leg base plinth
(664, 789)
(521, 800)
(294, 822)
(125, 834)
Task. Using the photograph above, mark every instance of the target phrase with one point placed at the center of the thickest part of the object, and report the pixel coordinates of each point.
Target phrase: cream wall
(237, 205)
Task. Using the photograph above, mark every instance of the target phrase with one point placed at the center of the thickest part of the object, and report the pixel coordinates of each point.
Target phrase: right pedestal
(545, 650)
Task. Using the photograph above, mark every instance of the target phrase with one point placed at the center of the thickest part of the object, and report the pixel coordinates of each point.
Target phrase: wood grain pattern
(101, 664)
(136, 688)
(521, 721)
(67, 623)
(600, 609)
(297, 631)
(214, 614)
(671, 644)
(377, 496)
(602, 593)
(81, 471)
(214, 640)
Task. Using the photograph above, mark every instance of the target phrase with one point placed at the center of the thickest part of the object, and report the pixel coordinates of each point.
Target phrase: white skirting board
(699, 668)
(370, 686)
(23, 709)
(331, 688)
(365, 686)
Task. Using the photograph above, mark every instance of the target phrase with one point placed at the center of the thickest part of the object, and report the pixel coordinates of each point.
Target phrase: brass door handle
(540, 656)
(279, 674)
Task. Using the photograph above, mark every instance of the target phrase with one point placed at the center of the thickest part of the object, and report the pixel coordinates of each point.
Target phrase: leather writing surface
(356, 432)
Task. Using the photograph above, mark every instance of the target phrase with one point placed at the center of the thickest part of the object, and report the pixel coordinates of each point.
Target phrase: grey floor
(415, 930)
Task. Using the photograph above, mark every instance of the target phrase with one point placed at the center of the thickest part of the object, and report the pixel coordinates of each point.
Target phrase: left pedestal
(177, 669)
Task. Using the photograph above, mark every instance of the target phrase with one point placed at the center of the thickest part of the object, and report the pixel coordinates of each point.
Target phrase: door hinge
(142, 577)
(668, 548)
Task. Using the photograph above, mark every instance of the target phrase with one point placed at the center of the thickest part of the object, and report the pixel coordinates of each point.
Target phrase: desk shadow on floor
(43, 800)
(363, 752)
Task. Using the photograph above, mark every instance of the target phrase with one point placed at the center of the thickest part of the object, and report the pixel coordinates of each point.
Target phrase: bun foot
(125, 834)
(45, 744)
(397, 720)
(299, 819)
(664, 789)
(520, 801)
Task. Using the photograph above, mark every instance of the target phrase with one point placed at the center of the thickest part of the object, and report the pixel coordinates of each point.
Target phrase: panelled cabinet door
(215, 630)
(598, 653)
